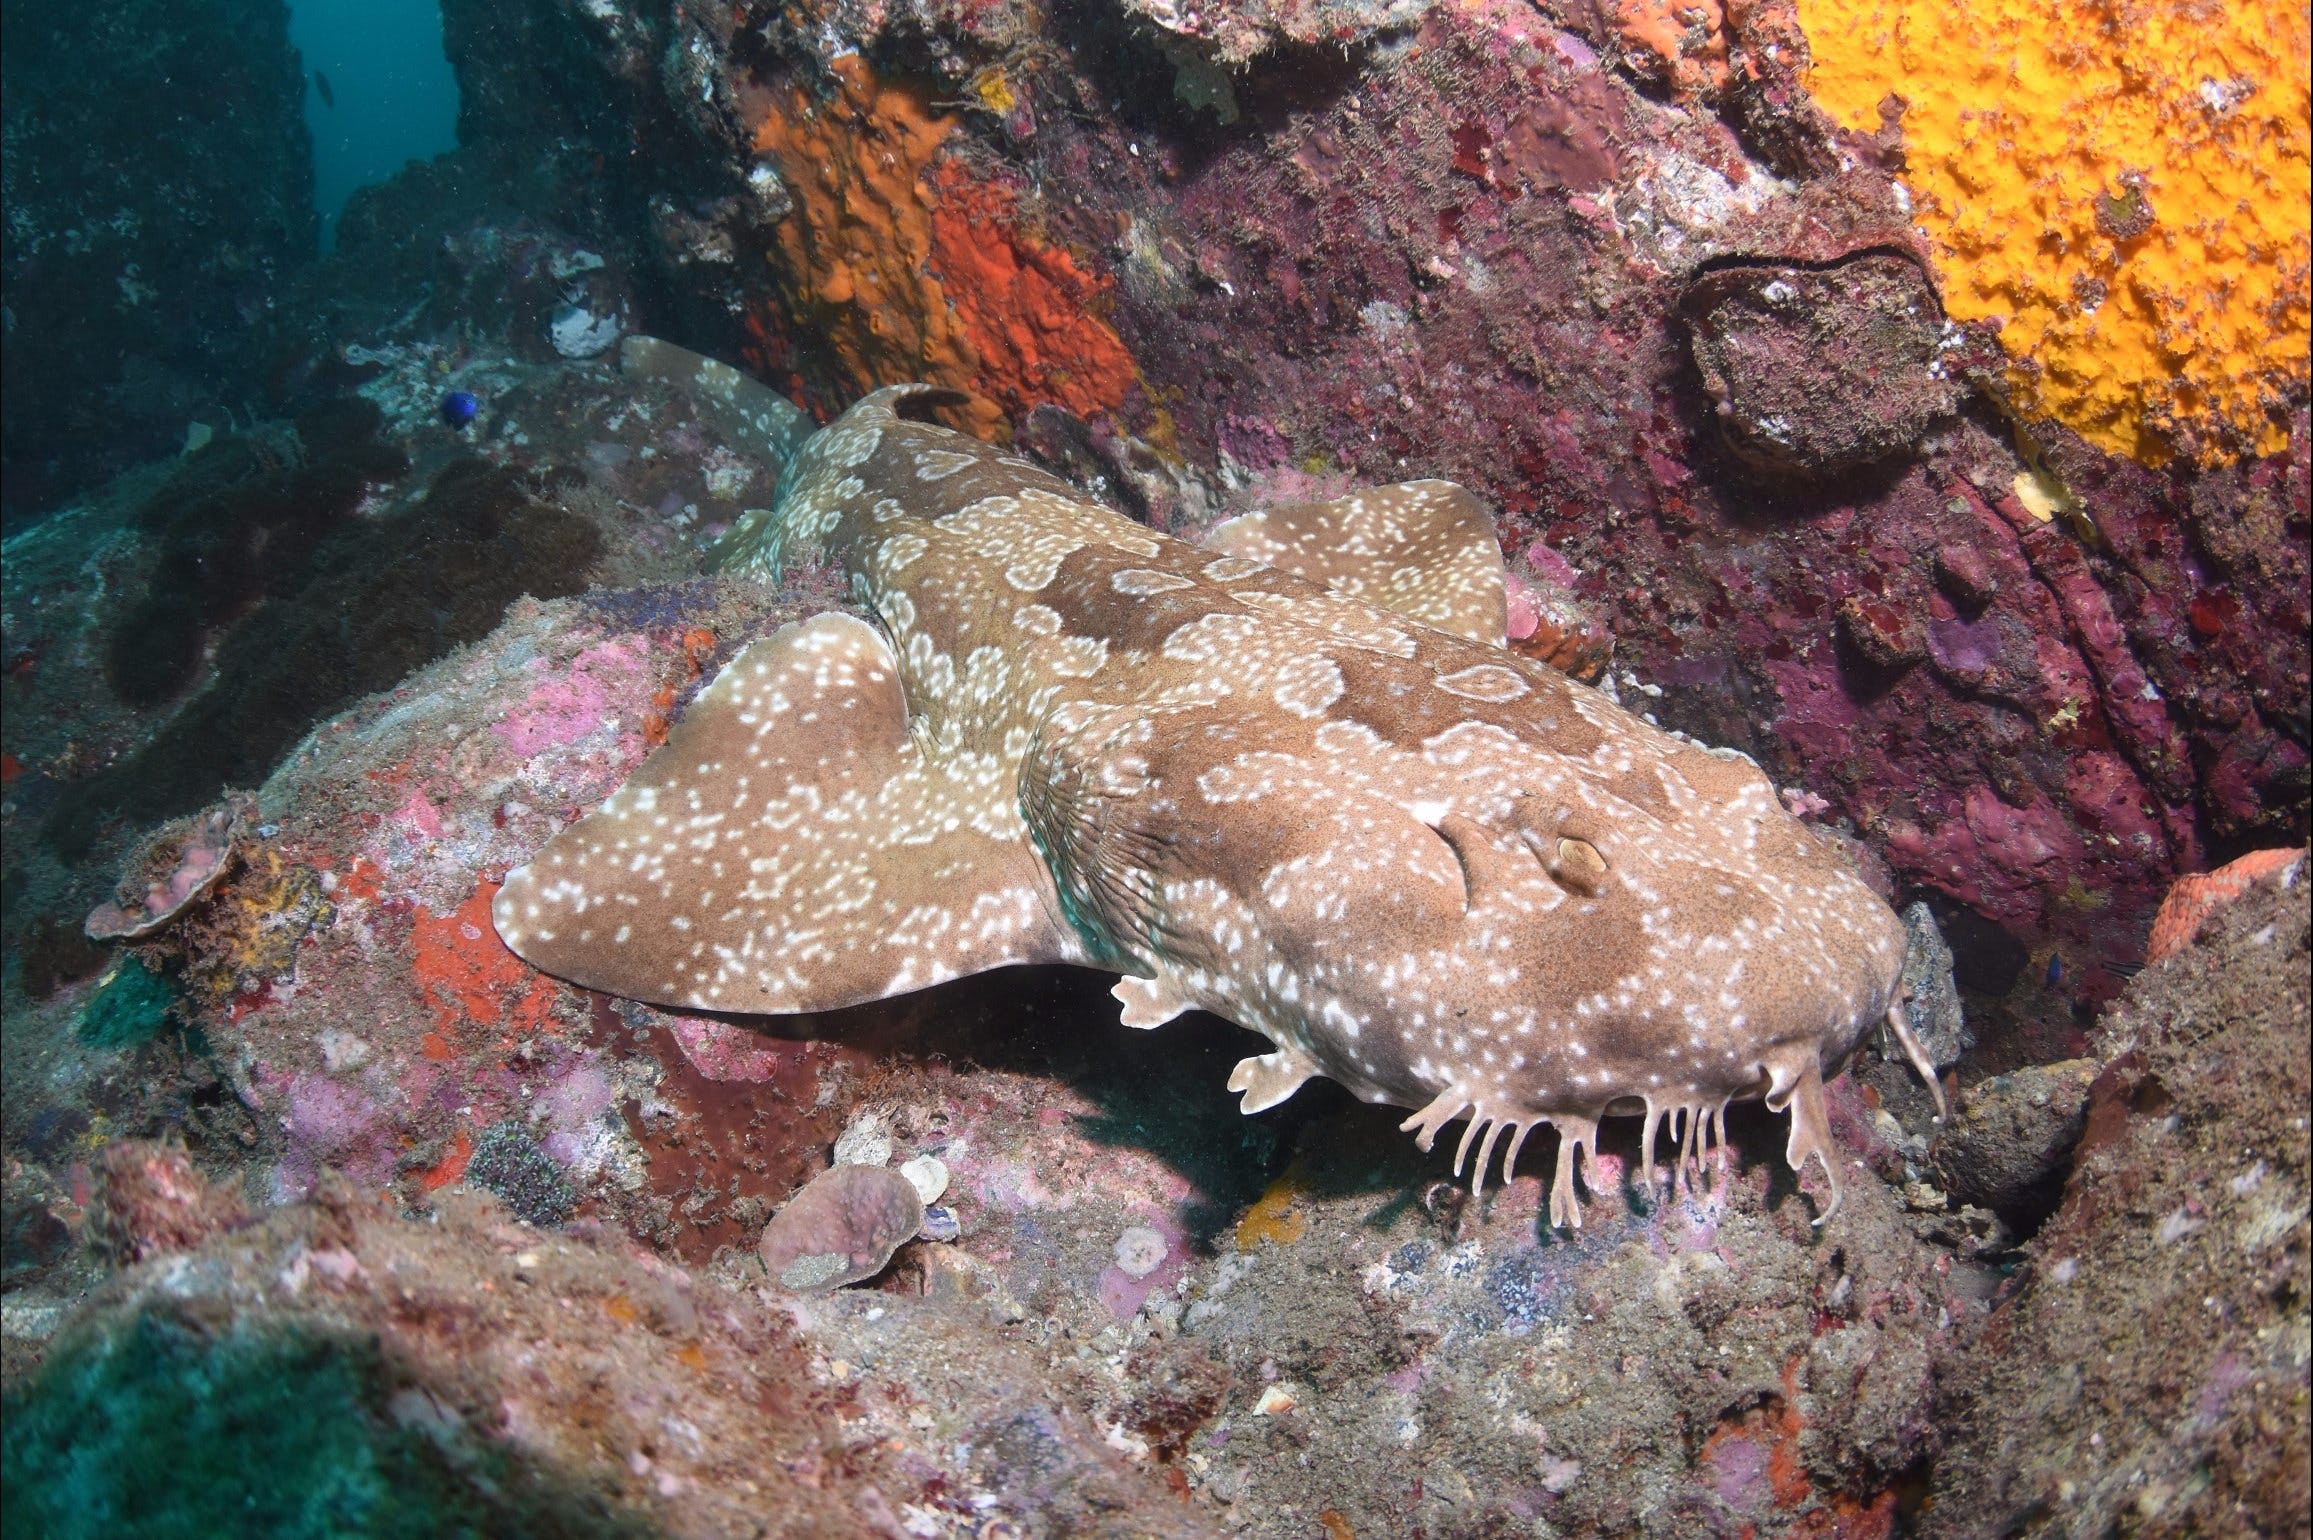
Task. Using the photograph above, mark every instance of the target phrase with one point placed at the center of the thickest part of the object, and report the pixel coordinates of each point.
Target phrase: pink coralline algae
(1149, 1257)
(204, 848)
(421, 815)
(569, 1110)
(570, 703)
(842, 1227)
(720, 1051)
(331, 1123)
(2015, 861)
(1548, 619)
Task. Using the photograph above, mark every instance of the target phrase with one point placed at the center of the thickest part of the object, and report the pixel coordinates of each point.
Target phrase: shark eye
(1577, 867)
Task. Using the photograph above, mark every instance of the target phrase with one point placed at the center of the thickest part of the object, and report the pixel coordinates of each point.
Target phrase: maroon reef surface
(1681, 336)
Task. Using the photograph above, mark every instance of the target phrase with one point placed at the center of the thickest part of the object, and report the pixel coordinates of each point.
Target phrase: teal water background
(396, 99)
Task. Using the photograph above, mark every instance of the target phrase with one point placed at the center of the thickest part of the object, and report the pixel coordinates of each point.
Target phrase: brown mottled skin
(1444, 875)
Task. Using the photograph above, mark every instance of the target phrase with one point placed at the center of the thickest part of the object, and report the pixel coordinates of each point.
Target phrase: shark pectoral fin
(1148, 1002)
(1269, 1079)
(1424, 549)
(787, 850)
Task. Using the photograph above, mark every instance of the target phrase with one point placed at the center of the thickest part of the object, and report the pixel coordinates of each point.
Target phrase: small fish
(321, 89)
(458, 408)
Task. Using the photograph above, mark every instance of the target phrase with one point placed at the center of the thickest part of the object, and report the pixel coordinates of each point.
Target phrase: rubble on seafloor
(346, 1205)
(423, 1376)
(2147, 1368)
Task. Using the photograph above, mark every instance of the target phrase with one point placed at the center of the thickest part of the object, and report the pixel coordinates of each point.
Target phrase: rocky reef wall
(159, 187)
(304, 1166)
(1723, 360)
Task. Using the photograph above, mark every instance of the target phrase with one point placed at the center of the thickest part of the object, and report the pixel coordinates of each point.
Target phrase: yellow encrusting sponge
(2122, 183)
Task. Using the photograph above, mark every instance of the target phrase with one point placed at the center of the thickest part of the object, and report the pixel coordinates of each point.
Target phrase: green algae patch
(128, 1009)
(164, 1428)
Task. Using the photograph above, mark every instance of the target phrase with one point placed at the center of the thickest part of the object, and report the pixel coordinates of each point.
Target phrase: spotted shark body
(1290, 777)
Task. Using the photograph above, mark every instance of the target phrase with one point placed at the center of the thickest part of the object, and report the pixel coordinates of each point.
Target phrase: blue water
(396, 99)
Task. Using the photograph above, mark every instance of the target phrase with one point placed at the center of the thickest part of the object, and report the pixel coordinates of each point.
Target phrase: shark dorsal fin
(788, 850)
(1423, 549)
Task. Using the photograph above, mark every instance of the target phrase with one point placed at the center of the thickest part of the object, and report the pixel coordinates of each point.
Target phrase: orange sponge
(2121, 184)
(2191, 900)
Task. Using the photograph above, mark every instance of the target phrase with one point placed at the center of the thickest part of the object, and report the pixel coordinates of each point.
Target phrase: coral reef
(2115, 189)
(1550, 621)
(507, 1163)
(1234, 32)
(1694, 1365)
(316, 1195)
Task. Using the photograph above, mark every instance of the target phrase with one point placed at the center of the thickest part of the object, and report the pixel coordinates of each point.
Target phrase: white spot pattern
(1486, 682)
(1530, 908)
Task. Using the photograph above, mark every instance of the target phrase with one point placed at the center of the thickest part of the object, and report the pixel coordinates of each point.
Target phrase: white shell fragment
(928, 1174)
(577, 332)
(1275, 1400)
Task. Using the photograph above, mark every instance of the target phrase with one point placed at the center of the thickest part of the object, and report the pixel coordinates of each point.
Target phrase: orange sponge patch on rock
(470, 981)
(2192, 899)
(903, 266)
(1031, 312)
(2121, 185)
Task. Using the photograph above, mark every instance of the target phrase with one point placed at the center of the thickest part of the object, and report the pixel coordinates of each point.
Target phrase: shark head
(1460, 918)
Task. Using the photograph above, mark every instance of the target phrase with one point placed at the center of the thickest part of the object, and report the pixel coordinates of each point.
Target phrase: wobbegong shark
(1290, 776)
